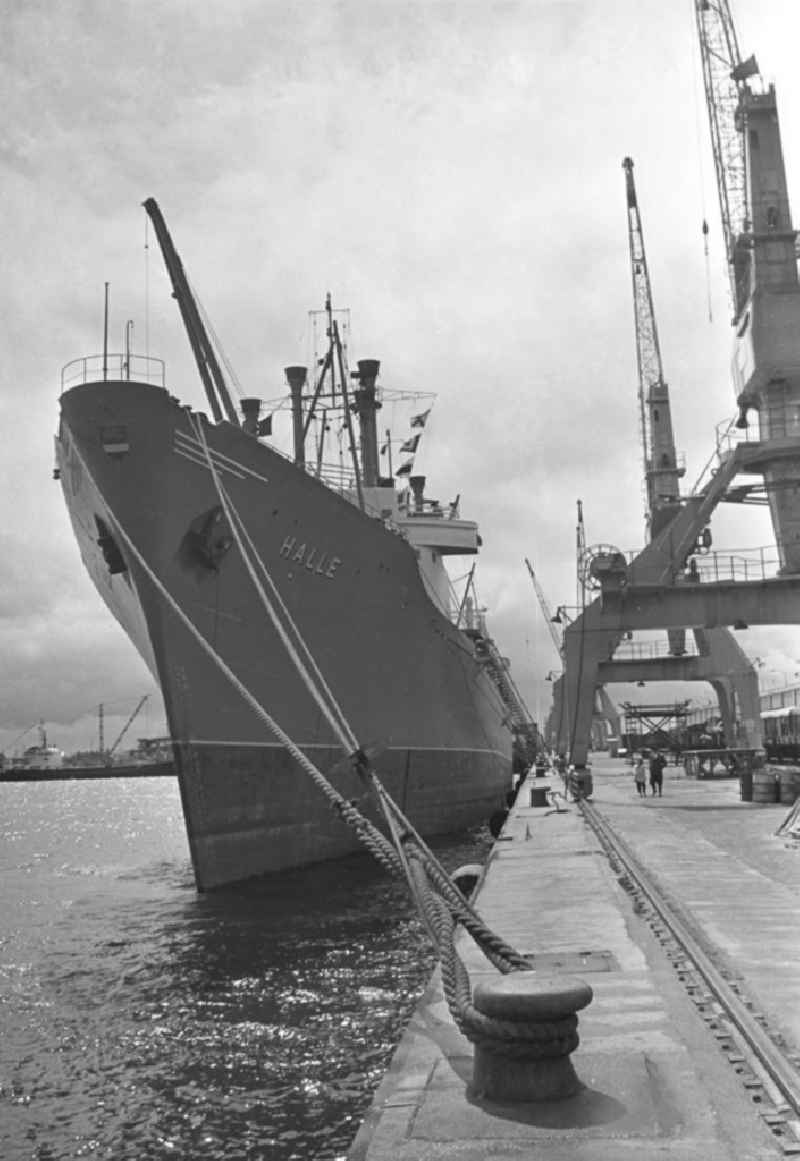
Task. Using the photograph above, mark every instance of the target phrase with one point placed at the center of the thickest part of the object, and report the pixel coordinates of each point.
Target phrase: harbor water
(142, 1020)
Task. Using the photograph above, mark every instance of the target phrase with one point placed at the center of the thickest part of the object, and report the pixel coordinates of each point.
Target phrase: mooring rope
(532, 1039)
(440, 902)
(330, 708)
(366, 830)
(500, 954)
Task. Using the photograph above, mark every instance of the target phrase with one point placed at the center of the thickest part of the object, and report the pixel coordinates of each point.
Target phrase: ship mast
(210, 372)
(301, 422)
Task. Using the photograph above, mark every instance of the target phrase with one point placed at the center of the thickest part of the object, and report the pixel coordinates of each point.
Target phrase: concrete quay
(655, 1083)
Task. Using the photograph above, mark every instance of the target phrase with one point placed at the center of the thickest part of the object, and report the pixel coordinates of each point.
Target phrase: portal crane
(762, 266)
(216, 388)
(661, 470)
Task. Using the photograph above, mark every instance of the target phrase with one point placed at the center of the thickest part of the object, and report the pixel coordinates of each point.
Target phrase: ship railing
(726, 439)
(653, 467)
(432, 508)
(116, 368)
(735, 564)
(342, 480)
(339, 477)
(646, 650)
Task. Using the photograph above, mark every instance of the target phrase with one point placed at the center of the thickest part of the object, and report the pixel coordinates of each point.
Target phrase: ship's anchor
(207, 540)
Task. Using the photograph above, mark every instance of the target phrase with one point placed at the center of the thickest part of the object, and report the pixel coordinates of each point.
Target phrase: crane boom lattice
(661, 469)
(724, 74)
(648, 350)
(555, 636)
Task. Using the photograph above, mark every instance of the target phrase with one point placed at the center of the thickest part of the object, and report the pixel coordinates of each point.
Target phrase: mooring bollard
(533, 1064)
(466, 878)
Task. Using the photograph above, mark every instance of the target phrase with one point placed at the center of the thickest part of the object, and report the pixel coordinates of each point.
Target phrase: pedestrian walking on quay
(657, 764)
(638, 775)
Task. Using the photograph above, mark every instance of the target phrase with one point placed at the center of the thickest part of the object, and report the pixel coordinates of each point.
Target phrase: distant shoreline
(69, 773)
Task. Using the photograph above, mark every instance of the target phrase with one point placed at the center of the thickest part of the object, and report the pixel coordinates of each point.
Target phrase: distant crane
(126, 727)
(555, 636)
(762, 265)
(661, 470)
(580, 558)
(22, 735)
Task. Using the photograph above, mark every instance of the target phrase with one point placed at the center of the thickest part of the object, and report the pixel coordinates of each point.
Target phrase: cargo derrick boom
(762, 264)
(207, 364)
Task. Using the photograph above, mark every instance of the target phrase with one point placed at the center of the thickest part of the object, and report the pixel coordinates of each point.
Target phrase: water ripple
(141, 1020)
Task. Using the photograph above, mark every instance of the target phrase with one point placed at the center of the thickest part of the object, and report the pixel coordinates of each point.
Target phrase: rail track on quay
(755, 1051)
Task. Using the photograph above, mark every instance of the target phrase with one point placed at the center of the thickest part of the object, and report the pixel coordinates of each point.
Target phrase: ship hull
(146, 512)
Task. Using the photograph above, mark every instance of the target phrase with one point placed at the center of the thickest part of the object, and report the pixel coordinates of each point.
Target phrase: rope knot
(360, 760)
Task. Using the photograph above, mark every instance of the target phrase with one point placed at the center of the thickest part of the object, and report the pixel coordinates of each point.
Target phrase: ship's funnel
(418, 488)
(368, 370)
(367, 406)
(296, 378)
(250, 409)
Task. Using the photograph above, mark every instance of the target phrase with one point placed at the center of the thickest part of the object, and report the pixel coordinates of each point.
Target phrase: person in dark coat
(657, 764)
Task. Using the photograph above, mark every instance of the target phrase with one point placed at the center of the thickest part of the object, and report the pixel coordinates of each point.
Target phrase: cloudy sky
(451, 172)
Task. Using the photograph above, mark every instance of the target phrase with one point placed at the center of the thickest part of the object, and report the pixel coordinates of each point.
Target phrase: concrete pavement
(719, 863)
(655, 1082)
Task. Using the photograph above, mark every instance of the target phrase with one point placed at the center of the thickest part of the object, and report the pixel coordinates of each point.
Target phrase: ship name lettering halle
(314, 560)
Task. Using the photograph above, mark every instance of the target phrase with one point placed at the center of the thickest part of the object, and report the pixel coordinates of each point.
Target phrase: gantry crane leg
(724, 693)
(737, 672)
(586, 645)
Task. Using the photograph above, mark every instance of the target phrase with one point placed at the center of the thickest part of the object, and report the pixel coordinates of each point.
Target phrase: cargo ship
(171, 508)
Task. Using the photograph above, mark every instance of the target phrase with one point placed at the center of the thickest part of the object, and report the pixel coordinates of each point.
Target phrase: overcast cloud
(450, 172)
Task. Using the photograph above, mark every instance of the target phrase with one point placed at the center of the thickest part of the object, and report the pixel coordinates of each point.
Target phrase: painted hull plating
(405, 677)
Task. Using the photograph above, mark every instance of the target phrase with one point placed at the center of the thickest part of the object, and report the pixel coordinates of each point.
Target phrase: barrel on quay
(656, 1064)
(788, 786)
(766, 787)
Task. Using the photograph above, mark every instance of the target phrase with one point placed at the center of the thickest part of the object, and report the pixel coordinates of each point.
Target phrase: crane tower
(762, 264)
(661, 470)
